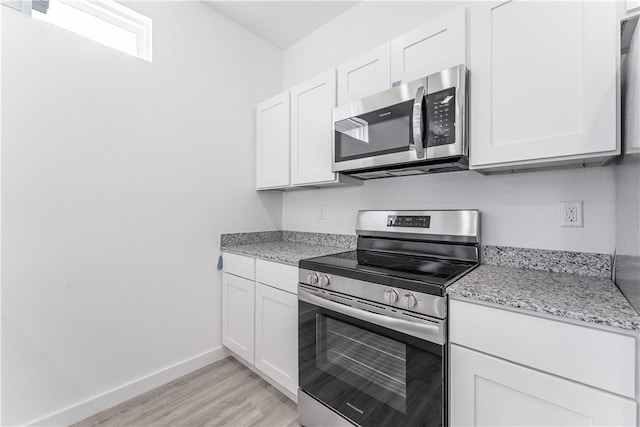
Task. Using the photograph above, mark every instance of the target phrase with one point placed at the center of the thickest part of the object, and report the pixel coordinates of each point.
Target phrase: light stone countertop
(589, 299)
(284, 252)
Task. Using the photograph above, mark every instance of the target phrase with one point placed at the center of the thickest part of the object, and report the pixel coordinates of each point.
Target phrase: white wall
(517, 210)
(117, 177)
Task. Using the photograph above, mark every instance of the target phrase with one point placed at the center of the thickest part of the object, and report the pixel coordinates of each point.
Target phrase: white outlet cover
(565, 217)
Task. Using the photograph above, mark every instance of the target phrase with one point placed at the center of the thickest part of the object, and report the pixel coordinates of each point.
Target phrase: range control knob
(324, 281)
(312, 278)
(410, 300)
(390, 296)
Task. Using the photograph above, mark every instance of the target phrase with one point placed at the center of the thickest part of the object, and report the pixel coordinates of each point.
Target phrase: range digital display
(408, 221)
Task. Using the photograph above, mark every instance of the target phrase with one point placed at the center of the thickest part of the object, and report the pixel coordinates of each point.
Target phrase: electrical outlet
(322, 213)
(571, 214)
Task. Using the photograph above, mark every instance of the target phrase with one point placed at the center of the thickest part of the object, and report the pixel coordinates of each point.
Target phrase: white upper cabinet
(544, 83)
(311, 127)
(273, 142)
(433, 47)
(365, 75)
(631, 69)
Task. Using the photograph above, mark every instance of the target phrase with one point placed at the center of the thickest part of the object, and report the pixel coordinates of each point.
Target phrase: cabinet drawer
(239, 265)
(603, 359)
(278, 275)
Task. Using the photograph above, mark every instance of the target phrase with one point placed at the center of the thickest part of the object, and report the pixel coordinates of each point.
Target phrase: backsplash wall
(521, 209)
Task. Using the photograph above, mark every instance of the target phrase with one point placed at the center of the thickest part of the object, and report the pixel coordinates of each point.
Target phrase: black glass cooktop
(404, 271)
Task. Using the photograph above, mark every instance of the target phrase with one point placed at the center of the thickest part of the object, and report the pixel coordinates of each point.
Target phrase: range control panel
(408, 221)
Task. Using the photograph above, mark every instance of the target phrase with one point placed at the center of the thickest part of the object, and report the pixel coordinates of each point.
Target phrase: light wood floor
(225, 393)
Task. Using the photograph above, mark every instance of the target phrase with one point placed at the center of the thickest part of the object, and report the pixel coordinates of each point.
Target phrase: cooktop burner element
(400, 253)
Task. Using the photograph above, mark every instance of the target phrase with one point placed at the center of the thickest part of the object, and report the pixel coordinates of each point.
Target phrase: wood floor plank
(225, 393)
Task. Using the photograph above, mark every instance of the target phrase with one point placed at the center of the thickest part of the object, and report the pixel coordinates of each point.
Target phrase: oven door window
(371, 375)
(384, 131)
(363, 359)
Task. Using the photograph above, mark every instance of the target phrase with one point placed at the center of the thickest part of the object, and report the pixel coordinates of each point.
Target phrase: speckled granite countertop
(287, 247)
(584, 298)
(285, 252)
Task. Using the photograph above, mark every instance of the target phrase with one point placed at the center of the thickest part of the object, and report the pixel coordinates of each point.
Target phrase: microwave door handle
(418, 138)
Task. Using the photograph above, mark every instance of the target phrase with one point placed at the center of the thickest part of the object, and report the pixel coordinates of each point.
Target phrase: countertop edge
(579, 319)
(231, 250)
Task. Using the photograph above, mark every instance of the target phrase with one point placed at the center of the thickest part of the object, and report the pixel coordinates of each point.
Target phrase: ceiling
(281, 23)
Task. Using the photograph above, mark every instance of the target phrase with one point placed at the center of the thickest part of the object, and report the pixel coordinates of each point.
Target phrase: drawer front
(281, 276)
(239, 265)
(602, 359)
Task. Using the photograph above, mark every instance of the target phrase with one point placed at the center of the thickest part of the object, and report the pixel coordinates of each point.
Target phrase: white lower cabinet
(238, 315)
(276, 340)
(511, 368)
(488, 391)
(260, 318)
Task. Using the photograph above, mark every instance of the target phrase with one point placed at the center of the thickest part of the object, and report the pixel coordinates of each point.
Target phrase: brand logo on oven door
(355, 408)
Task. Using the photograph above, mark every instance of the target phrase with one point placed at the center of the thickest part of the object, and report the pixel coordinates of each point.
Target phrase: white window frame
(121, 16)
(109, 11)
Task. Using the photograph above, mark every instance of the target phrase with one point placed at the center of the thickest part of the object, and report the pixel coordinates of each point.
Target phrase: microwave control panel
(441, 117)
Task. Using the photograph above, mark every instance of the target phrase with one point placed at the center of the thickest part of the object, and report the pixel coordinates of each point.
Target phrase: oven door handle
(418, 137)
(427, 330)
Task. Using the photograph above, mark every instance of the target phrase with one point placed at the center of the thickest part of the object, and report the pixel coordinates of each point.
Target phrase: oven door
(372, 369)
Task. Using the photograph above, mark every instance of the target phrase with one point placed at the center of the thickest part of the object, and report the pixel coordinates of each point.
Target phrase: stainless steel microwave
(418, 127)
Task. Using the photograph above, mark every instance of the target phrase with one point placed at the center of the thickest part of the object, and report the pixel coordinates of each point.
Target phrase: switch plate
(322, 214)
(571, 214)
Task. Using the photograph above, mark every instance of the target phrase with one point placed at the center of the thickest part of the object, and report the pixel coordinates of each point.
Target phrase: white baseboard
(106, 400)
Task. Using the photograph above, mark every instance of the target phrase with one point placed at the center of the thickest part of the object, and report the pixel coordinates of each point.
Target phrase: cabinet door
(312, 103)
(631, 67)
(544, 80)
(433, 47)
(365, 75)
(489, 391)
(277, 335)
(272, 142)
(238, 315)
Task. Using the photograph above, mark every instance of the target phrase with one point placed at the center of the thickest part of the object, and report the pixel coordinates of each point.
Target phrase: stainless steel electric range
(372, 322)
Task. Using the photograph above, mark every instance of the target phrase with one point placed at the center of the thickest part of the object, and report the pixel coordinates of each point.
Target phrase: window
(104, 21)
